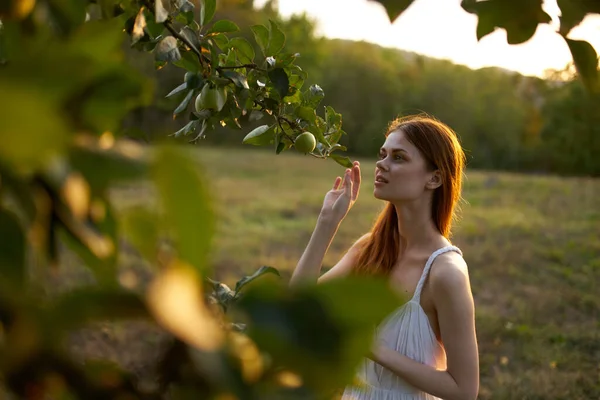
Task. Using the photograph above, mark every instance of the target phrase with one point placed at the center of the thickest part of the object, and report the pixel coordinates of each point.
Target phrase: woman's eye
(398, 158)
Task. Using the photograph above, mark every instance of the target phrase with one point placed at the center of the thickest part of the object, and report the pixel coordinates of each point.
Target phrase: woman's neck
(416, 227)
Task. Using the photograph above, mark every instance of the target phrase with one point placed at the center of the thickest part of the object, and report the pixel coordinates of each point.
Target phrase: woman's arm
(336, 205)
(309, 265)
(455, 309)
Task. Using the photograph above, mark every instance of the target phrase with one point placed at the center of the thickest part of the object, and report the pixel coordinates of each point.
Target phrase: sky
(442, 29)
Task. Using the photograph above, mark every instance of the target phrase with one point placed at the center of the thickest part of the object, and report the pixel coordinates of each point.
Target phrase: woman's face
(401, 174)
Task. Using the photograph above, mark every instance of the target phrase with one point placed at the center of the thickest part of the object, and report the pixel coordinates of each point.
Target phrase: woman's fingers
(348, 182)
(356, 180)
(337, 182)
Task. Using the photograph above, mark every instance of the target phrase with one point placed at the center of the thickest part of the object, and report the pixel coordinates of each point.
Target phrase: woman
(426, 349)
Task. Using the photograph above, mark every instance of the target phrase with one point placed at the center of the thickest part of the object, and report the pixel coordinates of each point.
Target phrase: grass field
(532, 244)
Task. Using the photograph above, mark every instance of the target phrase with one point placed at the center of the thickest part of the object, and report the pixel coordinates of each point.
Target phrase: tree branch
(251, 66)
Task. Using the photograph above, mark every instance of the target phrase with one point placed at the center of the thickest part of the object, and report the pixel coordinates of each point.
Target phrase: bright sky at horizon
(442, 29)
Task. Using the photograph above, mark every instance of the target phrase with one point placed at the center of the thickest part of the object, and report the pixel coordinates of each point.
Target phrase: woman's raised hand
(340, 199)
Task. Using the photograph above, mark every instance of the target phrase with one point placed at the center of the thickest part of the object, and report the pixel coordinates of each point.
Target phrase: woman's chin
(379, 194)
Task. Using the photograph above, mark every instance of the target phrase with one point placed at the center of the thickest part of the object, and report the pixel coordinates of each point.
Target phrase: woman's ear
(435, 181)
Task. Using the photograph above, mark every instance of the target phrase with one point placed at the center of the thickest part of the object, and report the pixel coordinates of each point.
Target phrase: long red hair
(441, 149)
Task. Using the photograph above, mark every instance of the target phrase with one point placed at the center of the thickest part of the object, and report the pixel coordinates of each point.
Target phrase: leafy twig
(167, 24)
(189, 44)
(279, 119)
(292, 124)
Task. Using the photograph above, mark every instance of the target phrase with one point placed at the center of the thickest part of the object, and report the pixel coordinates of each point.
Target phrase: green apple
(305, 142)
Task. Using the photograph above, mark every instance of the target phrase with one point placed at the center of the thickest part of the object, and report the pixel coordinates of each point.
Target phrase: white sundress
(409, 332)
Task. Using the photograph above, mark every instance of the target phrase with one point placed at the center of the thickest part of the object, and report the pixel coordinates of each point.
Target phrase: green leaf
(185, 203)
(27, 143)
(141, 228)
(243, 48)
(260, 136)
(280, 81)
(98, 39)
(286, 59)
(261, 35)
(12, 248)
(574, 11)
(228, 59)
(586, 62)
(394, 7)
(318, 129)
(207, 11)
(191, 36)
(66, 16)
(237, 78)
(109, 8)
(282, 322)
(153, 28)
(307, 113)
(281, 146)
(294, 97)
(201, 115)
(4, 44)
(124, 161)
(223, 26)
(178, 89)
(260, 272)
(313, 96)
(334, 120)
(20, 191)
(519, 18)
(184, 104)
(344, 299)
(342, 160)
(189, 61)
(335, 137)
(188, 128)
(296, 81)
(336, 146)
(297, 70)
(187, 18)
(220, 40)
(193, 80)
(107, 100)
(276, 39)
(167, 50)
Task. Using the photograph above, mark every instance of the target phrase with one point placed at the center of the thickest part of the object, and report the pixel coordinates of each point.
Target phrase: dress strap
(432, 257)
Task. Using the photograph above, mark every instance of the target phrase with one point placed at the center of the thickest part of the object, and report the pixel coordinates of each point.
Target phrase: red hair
(440, 147)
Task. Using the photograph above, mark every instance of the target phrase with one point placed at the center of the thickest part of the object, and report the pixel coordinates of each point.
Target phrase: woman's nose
(380, 164)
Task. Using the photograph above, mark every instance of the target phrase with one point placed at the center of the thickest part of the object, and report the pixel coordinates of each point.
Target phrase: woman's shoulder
(357, 246)
(363, 239)
(449, 271)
